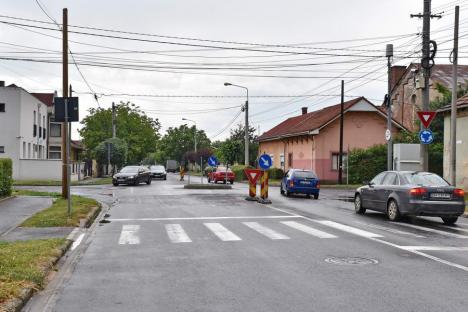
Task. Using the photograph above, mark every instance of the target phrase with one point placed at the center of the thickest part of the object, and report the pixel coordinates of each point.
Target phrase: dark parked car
(297, 181)
(411, 193)
(132, 175)
(158, 172)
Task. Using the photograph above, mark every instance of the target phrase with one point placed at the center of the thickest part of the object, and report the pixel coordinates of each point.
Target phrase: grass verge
(56, 215)
(25, 264)
(94, 181)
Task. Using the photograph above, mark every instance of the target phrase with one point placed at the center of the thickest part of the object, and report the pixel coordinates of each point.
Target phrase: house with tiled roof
(311, 140)
(461, 142)
(407, 85)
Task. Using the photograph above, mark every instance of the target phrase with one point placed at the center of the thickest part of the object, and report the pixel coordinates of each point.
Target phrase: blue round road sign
(212, 161)
(265, 162)
(426, 136)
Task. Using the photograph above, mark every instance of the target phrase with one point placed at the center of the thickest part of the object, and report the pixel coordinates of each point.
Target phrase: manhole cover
(350, 260)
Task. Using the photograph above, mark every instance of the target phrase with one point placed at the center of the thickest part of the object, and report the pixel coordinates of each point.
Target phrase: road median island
(24, 266)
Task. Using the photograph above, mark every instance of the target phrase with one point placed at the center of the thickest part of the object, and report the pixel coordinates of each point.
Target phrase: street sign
(388, 135)
(426, 118)
(265, 162)
(426, 136)
(72, 109)
(213, 161)
(253, 175)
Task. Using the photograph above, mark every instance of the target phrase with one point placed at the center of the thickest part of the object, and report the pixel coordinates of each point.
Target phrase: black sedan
(411, 193)
(133, 175)
(158, 172)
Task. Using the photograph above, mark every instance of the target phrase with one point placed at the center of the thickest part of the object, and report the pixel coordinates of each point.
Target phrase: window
(378, 178)
(24, 149)
(55, 152)
(55, 129)
(2, 107)
(282, 160)
(43, 122)
(29, 150)
(336, 161)
(390, 179)
(34, 130)
(44, 133)
(2, 149)
(290, 159)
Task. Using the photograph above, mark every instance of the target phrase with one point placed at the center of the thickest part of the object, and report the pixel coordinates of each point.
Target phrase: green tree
(118, 152)
(140, 132)
(229, 151)
(238, 135)
(180, 140)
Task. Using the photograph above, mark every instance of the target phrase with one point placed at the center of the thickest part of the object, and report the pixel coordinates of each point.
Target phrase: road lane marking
(435, 248)
(347, 228)
(395, 231)
(422, 228)
(202, 218)
(129, 235)
(308, 229)
(272, 234)
(457, 228)
(77, 242)
(223, 234)
(177, 234)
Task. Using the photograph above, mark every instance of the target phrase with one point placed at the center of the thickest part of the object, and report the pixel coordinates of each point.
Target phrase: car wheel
(449, 220)
(232, 182)
(149, 181)
(115, 184)
(281, 189)
(316, 196)
(165, 177)
(393, 213)
(287, 193)
(209, 180)
(358, 204)
(307, 195)
(224, 182)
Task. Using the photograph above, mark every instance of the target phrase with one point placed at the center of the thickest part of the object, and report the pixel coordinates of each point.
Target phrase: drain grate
(350, 260)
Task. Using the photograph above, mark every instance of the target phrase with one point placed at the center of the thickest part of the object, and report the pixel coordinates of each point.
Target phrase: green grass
(25, 264)
(35, 193)
(56, 215)
(93, 181)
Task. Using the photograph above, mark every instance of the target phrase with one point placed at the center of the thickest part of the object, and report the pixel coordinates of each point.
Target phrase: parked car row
(135, 175)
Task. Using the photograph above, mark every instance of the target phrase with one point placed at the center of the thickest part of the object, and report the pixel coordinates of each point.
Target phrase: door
(368, 194)
(383, 191)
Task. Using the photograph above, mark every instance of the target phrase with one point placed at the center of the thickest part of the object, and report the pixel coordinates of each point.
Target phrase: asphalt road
(171, 249)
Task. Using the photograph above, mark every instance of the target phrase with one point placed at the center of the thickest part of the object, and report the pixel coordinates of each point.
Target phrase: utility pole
(453, 116)
(65, 95)
(246, 139)
(109, 144)
(427, 61)
(389, 55)
(340, 159)
(113, 121)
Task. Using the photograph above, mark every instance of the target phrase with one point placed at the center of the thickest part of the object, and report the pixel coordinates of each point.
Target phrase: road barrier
(264, 188)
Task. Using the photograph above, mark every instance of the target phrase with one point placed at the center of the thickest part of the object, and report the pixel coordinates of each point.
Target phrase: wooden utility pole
(340, 158)
(453, 117)
(65, 95)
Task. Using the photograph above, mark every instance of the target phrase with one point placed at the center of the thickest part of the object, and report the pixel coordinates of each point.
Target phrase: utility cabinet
(406, 157)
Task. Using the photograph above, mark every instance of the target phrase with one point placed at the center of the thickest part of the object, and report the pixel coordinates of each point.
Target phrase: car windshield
(305, 175)
(129, 170)
(223, 169)
(424, 179)
(160, 168)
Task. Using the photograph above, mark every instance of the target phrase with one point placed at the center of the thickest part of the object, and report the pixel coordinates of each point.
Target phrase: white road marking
(435, 248)
(223, 234)
(347, 228)
(129, 235)
(422, 228)
(456, 228)
(308, 229)
(77, 242)
(265, 230)
(203, 218)
(395, 231)
(177, 234)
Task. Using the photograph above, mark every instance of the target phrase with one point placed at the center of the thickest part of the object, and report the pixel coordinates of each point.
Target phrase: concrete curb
(7, 198)
(92, 215)
(16, 304)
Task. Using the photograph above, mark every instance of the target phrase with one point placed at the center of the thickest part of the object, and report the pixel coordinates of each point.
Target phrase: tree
(140, 132)
(238, 135)
(230, 151)
(178, 141)
(118, 152)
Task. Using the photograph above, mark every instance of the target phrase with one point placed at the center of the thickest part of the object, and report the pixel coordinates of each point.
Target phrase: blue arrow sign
(213, 161)
(426, 136)
(265, 162)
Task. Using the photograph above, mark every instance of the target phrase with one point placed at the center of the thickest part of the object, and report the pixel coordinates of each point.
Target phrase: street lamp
(246, 109)
(195, 134)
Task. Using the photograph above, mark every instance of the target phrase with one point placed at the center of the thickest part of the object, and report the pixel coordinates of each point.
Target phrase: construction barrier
(264, 188)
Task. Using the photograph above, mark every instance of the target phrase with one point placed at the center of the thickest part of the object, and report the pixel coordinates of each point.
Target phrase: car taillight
(459, 193)
(317, 185)
(418, 192)
(291, 183)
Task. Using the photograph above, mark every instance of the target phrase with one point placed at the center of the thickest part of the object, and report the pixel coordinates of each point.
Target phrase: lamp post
(246, 110)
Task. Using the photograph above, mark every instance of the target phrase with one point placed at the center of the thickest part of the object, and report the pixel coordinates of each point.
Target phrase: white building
(23, 130)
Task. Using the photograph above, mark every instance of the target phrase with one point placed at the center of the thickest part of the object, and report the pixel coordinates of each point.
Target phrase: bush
(239, 172)
(365, 164)
(6, 179)
(275, 173)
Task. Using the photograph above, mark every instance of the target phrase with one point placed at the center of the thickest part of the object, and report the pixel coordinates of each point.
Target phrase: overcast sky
(323, 31)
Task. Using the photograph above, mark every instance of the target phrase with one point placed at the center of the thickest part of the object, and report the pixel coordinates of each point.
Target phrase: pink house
(312, 140)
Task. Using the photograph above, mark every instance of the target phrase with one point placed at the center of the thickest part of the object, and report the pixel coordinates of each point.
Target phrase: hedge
(365, 164)
(239, 172)
(6, 180)
(275, 173)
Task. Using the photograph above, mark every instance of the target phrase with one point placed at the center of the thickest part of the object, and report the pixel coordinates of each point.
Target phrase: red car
(220, 174)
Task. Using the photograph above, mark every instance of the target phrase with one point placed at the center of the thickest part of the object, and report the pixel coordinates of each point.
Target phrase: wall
(462, 149)
(39, 169)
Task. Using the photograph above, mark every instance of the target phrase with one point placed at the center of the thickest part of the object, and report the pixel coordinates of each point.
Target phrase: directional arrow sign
(426, 118)
(212, 161)
(265, 162)
(253, 175)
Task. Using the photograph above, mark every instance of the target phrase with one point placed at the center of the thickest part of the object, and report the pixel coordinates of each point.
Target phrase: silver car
(411, 193)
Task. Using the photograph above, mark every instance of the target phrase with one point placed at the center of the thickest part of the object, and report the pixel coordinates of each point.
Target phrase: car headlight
(131, 177)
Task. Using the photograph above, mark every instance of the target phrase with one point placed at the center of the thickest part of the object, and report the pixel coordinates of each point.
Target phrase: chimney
(304, 110)
(2, 83)
(396, 72)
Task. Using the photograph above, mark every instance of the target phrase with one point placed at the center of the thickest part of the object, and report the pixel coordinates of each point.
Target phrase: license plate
(441, 195)
(305, 182)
